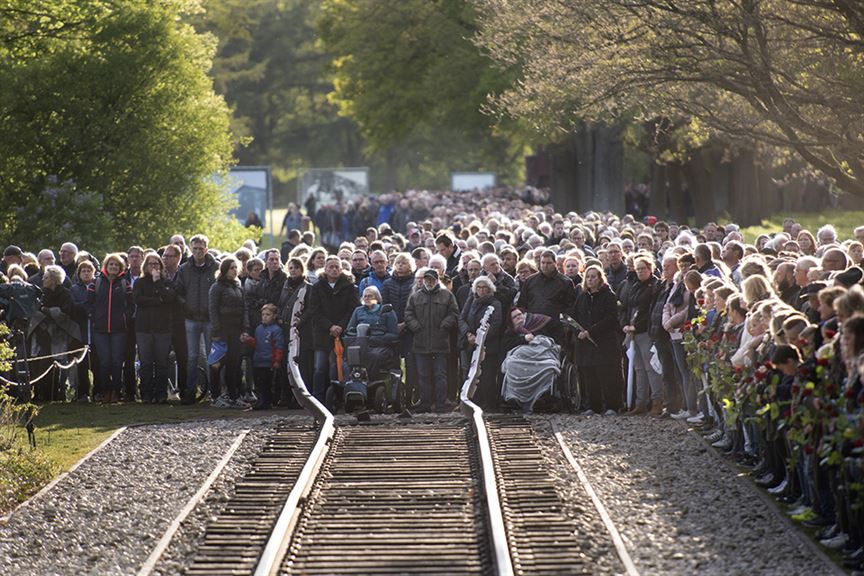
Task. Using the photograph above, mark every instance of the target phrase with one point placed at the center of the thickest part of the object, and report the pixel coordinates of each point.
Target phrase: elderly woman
(532, 360)
(154, 302)
(481, 298)
(54, 331)
(598, 351)
(109, 299)
(383, 331)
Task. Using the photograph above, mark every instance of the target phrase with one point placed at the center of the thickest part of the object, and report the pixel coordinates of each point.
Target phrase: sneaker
(804, 516)
(836, 542)
(610, 412)
(222, 402)
(714, 436)
(250, 398)
(795, 510)
(699, 418)
(240, 403)
(724, 443)
(680, 415)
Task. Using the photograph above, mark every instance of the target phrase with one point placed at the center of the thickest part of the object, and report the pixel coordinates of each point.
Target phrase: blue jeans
(432, 369)
(195, 329)
(110, 349)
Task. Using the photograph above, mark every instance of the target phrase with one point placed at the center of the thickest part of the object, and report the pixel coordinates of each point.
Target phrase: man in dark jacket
(268, 290)
(193, 285)
(332, 301)
(446, 246)
(661, 339)
(616, 273)
(431, 314)
(549, 292)
(171, 256)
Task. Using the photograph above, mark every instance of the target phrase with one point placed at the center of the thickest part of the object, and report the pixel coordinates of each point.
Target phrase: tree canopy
(407, 72)
(788, 73)
(112, 129)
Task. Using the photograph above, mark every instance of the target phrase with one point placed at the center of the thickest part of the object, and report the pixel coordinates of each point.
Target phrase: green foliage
(786, 74)
(22, 470)
(274, 72)
(111, 126)
(408, 74)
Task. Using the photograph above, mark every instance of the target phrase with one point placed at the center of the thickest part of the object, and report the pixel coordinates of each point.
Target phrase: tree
(112, 130)
(786, 73)
(275, 74)
(408, 74)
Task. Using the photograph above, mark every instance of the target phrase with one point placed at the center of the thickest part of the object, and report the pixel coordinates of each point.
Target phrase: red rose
(715, 337)
(700, 301)
(822, 361)
(808, 449)
(858, 442)
(795, 389)
(830, 333)
(738, 369)
(807, 392)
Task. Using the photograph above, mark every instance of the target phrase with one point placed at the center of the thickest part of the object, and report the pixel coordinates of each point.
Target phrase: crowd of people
(759, 344)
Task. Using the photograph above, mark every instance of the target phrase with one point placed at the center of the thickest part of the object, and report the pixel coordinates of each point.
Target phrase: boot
(656, 409)
(638, 410)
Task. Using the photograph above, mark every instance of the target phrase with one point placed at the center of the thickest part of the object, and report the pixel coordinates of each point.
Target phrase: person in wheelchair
(382, 353)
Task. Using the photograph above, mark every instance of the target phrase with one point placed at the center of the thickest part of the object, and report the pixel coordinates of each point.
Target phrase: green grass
(67, 431)
(844, 220)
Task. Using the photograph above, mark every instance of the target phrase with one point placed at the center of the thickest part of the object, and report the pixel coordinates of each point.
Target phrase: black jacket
(226, 307)
(655, 329)
(396, 291)
(154, 302)
(637, 304)
(331, 306)
(110, 303)
(268, 290)
(194, 283)
(469, 321)
(597, 313)
(549, 296)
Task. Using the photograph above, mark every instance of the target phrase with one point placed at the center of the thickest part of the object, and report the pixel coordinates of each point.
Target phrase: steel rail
(277, 545)
(497, 528)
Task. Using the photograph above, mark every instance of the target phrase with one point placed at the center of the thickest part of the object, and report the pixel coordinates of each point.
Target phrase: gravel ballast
(679, 509)
(107, 516)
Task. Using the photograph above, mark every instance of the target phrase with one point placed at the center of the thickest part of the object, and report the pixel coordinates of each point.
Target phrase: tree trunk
(699, 184)
(608, 188)
(659, 191)
(677, 200)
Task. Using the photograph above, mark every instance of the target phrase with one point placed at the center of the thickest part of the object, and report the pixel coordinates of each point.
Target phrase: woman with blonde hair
(755, 289)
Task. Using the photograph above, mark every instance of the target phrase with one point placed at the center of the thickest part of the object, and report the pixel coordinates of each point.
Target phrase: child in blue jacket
(269, 345)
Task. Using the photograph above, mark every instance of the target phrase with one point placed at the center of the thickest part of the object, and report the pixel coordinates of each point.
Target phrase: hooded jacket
(110, 303)
(431, 315)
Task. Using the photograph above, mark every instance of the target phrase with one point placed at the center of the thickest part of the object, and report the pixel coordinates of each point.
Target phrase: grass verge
(843, 220)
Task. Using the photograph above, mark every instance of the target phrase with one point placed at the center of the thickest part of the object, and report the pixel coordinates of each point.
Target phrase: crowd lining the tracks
(760, 345)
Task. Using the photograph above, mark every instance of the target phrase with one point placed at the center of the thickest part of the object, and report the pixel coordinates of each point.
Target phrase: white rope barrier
(55, 364)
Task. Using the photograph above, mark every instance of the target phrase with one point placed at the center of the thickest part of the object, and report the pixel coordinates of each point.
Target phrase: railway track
(452, 495)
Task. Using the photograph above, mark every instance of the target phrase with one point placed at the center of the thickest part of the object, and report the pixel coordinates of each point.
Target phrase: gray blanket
(530, 371)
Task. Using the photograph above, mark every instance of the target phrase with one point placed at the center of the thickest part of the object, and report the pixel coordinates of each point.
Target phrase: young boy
(269, 345)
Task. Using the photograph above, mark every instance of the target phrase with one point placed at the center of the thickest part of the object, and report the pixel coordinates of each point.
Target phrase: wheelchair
(361, 391)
